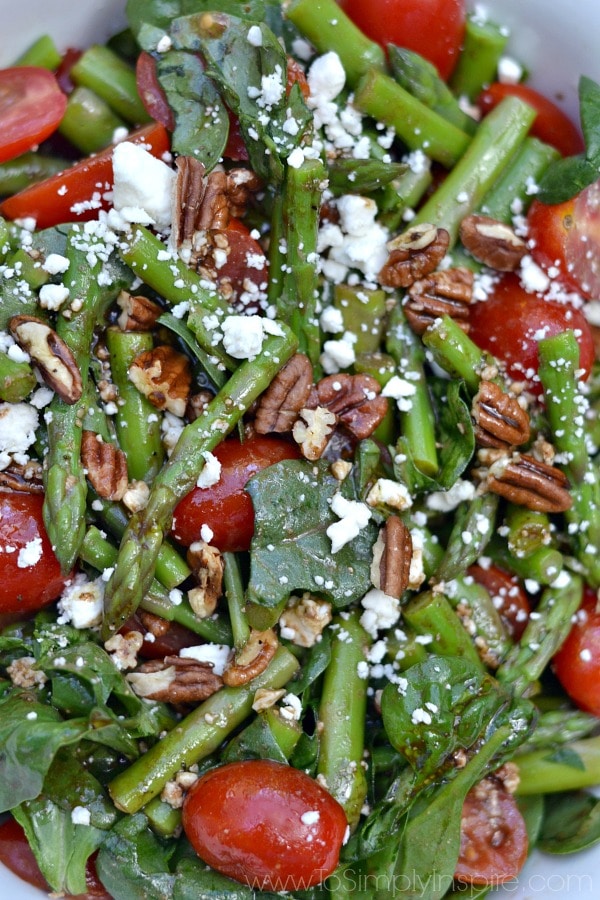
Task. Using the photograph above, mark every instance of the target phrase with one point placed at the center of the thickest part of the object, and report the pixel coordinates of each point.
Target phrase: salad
(299, 497)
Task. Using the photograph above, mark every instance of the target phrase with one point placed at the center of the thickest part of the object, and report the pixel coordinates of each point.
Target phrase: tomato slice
(577, 663)
(77, 193)
(494, 842)
(550, 125)
(63, 73)
(31, 108)
(151, 93)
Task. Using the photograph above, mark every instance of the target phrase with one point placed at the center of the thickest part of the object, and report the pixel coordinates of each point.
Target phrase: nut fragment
(445, 293)
(312, 431)
(138, 313)
(25, 478)
(303, 620)
(206, 564)
(252, 659)
(414, 254)
(50, 354)
(175, 679)
(526, 481)
(164, 376)
(493, 243)
(392, 555)
(355, 400)
(287, 394)
(105, 465)
(500, 420)
(196, 405)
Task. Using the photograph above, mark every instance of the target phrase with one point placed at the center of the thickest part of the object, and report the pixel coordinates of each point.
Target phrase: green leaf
(571, 822)
(589, 113)
(133, 864)
(195, 881)
(566, 756)
(566, 177)
(292, 513)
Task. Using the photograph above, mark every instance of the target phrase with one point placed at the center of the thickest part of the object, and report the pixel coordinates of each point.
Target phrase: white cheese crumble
(211, 471)
(143, 186)
(445, 501)
(30, 554)
(82, 602)
(381, 611)
(80, 815)
(353, 517)
(217, 654)
(311, 817)
(55, 264)
(18, 422)
(52, 296)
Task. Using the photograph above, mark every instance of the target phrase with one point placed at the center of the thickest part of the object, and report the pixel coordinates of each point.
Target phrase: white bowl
(558, 42)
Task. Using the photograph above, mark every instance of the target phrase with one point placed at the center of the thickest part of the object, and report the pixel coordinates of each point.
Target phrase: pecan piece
(313, 430)
(105, 465)
(206, 564)
(138, 313)
(252, 659)
(241, 183)
(392, 556)
(493, 243)
(164, 376)
(175, 679)
(500, 420)
(304, 619)
(50, 354)
(196, 404)
(414, 254)
(355, 400)
(526, 481)
(287, 394)
(445, 293)
(24, 478)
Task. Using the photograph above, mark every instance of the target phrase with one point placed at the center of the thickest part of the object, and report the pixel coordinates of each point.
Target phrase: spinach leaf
(292, 513)
(566, 756)
(155, 16)
(194, 880)
(571, 822)
(133, 864)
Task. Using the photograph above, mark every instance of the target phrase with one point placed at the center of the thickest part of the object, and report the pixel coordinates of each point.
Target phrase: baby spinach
(571, 822)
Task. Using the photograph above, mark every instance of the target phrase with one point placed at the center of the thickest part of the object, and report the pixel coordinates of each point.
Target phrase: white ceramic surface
(558, 41)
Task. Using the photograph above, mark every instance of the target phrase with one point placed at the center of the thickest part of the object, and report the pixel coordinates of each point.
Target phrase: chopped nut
(252, 659)
(164, 376)
(155, 625)
(414, 254)
(25, 478)
(392, 554)
(136, 496)
(138, 312)
(279, 406)
(124, 648)
(445, 293)
(206, 564)
(265, 698)
(527, 482)
(341, 468)
(312, 431)
(105, 465)
(392, 494)
(175, 679)
(493, 243)
(241, 183)
(196, 405)
(500, 420)
(23, 673)
(356, 401)
(304, 619)
(50, 354)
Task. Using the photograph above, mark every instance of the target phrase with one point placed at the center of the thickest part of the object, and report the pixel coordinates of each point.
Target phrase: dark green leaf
(256, 741)
(589, 113)
(531, 807)
(133, 864)
(195, 881)
(566, 177)
(214, 374)
(566, 756)
(571, 822)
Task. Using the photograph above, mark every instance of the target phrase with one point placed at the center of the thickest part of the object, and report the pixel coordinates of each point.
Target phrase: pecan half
(526, 481)
(164, 376)
(414, 254)
(312, 431)
(493, 243)
(200, 201)
(392, 555)
(206, 564)
(24, 478)
(105, 465)
(287, 394)
(252, 659)
(500, 420)
(138, 313)
(355, 400)
(175, 679)
(445, 293)
(50, 354)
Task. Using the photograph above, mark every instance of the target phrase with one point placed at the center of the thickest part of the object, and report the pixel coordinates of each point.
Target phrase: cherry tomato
(265, 824)
(226, 507)
(17, 855)
(31, 108)
(77, 193)
(63, 73)
(493, 846)
(565, 237)
(151, 93)
(433, 28)
(550, 125)
(577, 663)
(509, 598)
(168, 643)
(510, 322)
(38, 580)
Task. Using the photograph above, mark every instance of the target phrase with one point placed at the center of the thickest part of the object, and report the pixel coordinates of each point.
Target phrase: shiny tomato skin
(63, 73)
(151, 93)
(433, 28)
(577, 663)
(508, 325)
(509, 598)
(31, 108)
(226, 507)
(26, 589)
(550, 125)
(245, 820)
(174, 638)
(494, 839)
(50, 202)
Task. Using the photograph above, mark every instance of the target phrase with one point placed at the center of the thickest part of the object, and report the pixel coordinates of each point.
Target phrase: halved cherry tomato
(151, 93)
(17, 855)
(167, 643)
(30, 575)
(77, 193)
(508, 597)
(577, 663)
(433, 28)
(226, 507)
(510, 322)
(265, 824)
(31, 108)
(493, 846)
(550, 125)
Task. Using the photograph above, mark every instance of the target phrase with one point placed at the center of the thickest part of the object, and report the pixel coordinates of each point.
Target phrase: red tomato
(577, 663)
(82, 187)
(17, 855)
(63, 73)
(508, 597)
(226, 507)
(24, 589)
(494, 843)
(245, 273)
(433, 28)
(151, 92)
(31, 108)
(509, 324)
(169, 643)
(265, 824)
(566, 237)
(550, 125)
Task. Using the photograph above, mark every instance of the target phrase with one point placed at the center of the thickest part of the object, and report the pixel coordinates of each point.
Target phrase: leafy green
(133, 864)
(571, 822)
(566, 756)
